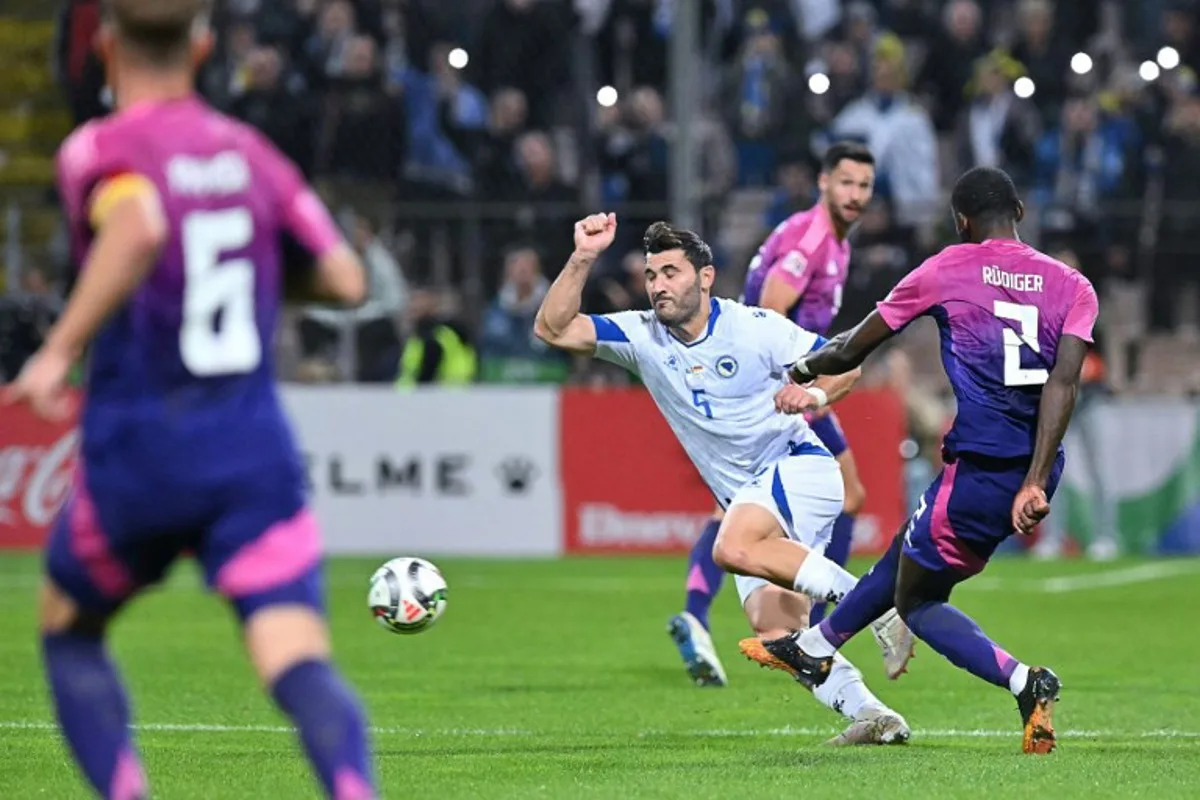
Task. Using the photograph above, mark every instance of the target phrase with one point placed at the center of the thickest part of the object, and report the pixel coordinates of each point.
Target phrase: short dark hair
(846, 151)
(986, 194)
(158, 29)
(662, 236)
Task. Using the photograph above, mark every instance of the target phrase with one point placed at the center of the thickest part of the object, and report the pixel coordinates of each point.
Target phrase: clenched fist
(593, 234)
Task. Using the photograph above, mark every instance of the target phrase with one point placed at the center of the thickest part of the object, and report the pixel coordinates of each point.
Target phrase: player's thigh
(803, 493)
(771, 610)
(104, 547)
(856, 493)
(263, 554)
(964, 515)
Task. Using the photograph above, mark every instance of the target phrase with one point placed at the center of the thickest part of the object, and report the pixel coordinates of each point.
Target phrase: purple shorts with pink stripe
(966, 513)
(255, 540)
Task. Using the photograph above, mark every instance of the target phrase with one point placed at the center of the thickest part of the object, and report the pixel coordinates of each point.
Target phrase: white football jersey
(718, 392)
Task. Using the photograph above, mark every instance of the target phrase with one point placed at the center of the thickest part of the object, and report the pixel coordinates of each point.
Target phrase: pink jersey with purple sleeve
(805, 252)
(198, 331)
(1001, 308)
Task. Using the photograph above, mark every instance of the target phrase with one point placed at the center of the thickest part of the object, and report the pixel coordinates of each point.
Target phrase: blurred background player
(1015, 327)
(178, 216)
(799, 272)
(716, 370)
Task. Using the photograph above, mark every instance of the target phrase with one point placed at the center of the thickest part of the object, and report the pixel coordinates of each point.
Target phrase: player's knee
(58, 613)
(281, 636)
(730, 554)
(905, 603)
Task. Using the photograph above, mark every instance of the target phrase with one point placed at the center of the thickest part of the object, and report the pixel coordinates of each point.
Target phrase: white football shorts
(805, 493)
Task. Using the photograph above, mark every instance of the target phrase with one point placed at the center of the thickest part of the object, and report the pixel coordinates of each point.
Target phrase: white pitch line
(504, 733)
(1119, 577)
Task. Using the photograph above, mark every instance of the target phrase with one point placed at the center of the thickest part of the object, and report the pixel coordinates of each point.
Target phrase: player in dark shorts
(178, 217)
(1015, 327)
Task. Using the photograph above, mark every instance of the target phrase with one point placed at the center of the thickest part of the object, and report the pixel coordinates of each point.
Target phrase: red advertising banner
(36, 461)
(628, 487)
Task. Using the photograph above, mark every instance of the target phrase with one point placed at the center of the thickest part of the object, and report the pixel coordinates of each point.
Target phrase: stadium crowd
(460, 139)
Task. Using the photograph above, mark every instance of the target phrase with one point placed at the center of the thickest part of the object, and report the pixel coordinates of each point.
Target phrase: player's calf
(89, 698)
(773, 611)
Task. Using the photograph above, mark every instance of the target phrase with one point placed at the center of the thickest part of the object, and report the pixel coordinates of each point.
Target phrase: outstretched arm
(558, 322)
(844, 352)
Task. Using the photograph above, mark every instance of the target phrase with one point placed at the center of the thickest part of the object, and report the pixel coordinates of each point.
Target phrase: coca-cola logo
(34, 480)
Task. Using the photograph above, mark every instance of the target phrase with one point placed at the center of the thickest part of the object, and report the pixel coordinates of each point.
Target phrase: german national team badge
(727, 366)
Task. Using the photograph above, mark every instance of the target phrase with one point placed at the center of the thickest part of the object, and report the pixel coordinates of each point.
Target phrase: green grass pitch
(556, 679)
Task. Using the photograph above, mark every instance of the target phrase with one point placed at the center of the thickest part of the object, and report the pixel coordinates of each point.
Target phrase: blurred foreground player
(799, 272)
(717, 371)
(1015, 327)
(177, 215)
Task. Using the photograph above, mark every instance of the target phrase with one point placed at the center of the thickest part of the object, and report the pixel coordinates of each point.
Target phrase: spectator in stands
(525, 44)
(494, 153)
(883, 254)
(324, 53)
(1176, 268)
(634, 160)
(373, 326)
(446, 118)
(998, 129)
(1046, 57)
(438, 349)
(541, 201)
(508, 350)
(1080, 165)
(797, 192)
(624, 289)
(281, 112)
(77, 66)
(25, 318)
(763, 101)
(948, 64)
(365, 130)
(899, 133)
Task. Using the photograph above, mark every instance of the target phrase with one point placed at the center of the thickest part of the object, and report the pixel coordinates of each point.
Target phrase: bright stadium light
(1081, 63)
(458, 58)
(1149, 71)
(818, 83)
(1024, 88)
(606, 96)
(1168, 58)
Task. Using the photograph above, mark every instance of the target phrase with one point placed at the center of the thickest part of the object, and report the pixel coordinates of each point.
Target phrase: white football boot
(696, 649)
(874, 725)
(895, 640)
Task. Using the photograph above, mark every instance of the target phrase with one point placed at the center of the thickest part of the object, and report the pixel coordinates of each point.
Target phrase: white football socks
(1017, 681)
(813, 642)
(823, 580)
(844, 690)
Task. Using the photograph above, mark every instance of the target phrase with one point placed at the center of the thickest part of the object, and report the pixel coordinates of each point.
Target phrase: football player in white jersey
(718, 372)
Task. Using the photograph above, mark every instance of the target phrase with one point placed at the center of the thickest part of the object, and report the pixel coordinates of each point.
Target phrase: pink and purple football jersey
(185, 445)
(1001, 308)
(200, 327)
(805, 252)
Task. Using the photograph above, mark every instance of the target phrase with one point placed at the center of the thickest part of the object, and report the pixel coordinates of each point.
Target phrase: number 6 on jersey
(219, 335)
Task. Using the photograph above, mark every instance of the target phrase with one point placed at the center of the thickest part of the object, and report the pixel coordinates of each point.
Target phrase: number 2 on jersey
(1027, 318)
(217, 292)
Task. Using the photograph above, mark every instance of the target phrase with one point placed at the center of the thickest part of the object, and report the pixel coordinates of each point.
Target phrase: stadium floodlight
(1081, 63)
(458, 58)
(606, 96)
(1149, 71)
(818, 83)
(1024, 88)
(1168, 58)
